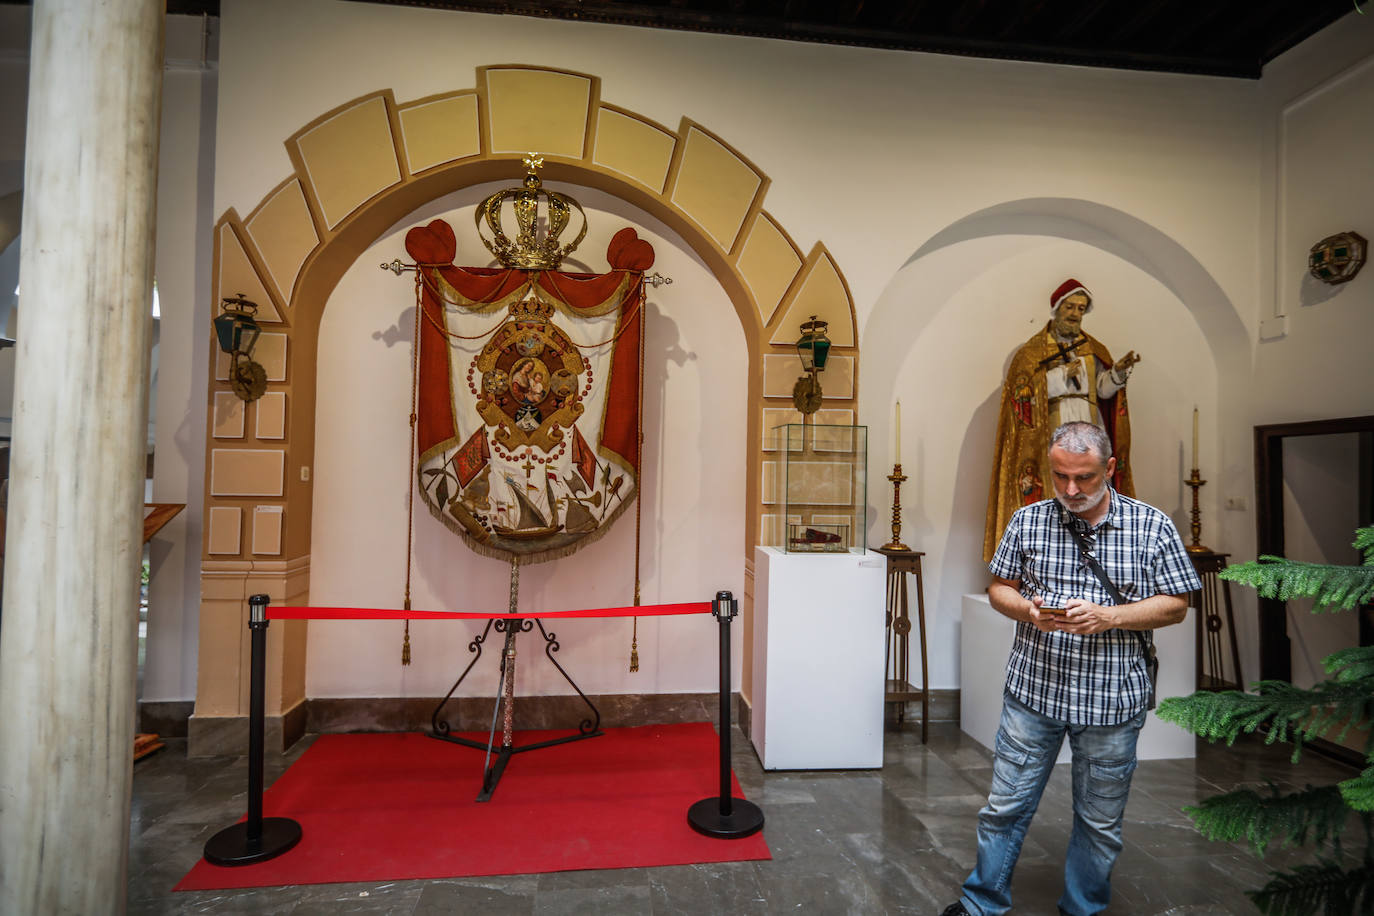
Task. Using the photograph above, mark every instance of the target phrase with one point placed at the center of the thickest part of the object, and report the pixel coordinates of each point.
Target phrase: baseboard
(165, 718)
(944, 707)
(213, 736)
(400, 714)
(228, 735)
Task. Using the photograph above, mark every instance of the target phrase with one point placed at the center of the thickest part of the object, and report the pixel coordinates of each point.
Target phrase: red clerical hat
(1065, 290)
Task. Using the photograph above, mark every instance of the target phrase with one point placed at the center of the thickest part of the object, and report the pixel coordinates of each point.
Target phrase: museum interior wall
(952, 195)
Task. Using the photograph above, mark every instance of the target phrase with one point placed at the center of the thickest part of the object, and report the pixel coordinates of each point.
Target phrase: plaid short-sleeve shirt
(1099, 679)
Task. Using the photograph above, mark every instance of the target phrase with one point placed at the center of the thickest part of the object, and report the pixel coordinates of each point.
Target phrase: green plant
(1317, 814)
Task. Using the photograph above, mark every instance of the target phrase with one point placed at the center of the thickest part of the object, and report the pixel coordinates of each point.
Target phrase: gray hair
(1080, 437)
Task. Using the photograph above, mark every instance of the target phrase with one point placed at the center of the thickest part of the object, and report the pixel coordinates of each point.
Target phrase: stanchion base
(231, 846)
(745, 818)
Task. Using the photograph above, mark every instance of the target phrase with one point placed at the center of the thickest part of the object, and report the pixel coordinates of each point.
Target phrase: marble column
(68, 629)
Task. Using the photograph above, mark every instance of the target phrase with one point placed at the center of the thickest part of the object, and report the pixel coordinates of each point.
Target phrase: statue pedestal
(818, 659)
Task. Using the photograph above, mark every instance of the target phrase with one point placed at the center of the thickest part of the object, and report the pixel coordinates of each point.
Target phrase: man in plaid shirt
(1075, 668)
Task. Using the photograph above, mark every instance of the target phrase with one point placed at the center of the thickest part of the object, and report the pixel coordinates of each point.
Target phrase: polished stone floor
(895, 840)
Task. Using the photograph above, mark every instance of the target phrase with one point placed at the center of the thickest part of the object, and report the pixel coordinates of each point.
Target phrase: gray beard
(1091, 503)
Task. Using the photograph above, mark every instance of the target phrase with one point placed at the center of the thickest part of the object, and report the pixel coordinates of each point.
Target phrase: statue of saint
(1060, 374)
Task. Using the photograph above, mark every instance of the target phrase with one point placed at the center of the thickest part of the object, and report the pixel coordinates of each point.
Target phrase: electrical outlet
(305, 473)
(1235, 503)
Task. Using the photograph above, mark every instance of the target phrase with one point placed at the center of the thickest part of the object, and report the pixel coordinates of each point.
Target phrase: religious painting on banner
(528, 385)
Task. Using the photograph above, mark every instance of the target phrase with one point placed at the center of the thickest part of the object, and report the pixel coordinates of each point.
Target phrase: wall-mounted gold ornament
(813, 349)
(540, 216)
(237, 331)
(1337, 258)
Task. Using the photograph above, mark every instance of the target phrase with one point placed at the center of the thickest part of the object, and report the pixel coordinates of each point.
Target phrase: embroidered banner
(528, 403)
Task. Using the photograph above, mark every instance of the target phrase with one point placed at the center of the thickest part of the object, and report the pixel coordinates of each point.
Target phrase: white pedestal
(985, 642)
(818, 659)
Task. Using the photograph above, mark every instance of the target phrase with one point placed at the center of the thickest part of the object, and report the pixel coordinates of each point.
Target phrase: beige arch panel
(714, 185)
(768, 261)
(284, 232)
(439, 130)
(237, 271)
(823, 292)
(348, 157)
(633, 146)
(538, 109)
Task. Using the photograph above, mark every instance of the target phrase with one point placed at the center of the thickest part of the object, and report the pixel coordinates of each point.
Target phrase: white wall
(184, 222)
(693, 490)
(955, 194)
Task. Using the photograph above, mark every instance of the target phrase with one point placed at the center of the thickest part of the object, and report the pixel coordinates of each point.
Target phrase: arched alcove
(949, 320)
(364, 166)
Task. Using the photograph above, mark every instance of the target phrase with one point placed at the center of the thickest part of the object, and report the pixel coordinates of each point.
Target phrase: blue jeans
(1103, 761)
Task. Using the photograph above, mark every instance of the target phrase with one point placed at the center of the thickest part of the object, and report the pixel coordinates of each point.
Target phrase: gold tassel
(634, 646)
(405, 643)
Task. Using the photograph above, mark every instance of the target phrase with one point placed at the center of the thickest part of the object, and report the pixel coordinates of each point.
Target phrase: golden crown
(531, 308)
(535, 207)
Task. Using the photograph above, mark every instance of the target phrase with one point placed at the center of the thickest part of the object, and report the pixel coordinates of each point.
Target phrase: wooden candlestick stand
(896, 477)
(1196, 482)
(1212, 601)
(902, 561)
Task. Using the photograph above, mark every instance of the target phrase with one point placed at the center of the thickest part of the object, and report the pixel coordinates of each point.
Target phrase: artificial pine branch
(1331, 586)
(1318, 813)
(1351, 663)
(1358, 792)
(1289, 713)
(1322, 888)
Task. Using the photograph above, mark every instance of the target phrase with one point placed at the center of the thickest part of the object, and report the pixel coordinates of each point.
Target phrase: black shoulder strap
(1096, 567)
(1088, 558)
(1147, 649)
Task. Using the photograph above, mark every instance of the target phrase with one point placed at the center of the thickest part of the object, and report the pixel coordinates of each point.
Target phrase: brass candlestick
(896, 477)
(1196, 483)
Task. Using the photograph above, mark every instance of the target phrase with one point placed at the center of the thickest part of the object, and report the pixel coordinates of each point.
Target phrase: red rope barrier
(352, 613)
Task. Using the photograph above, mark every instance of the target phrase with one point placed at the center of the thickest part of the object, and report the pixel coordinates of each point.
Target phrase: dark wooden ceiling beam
(1087, 12)
(963, 27)
(1143, 14)
(1027, 12)
(907, 14)
(849, 13)
(1184, 28)
(964, 15)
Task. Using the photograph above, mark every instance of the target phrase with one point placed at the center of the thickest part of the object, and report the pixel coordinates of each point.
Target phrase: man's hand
(1043, 620)
(1124, 364)
(1084, 617)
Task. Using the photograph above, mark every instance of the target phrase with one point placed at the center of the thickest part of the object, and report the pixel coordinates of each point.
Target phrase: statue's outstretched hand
(1124, 364)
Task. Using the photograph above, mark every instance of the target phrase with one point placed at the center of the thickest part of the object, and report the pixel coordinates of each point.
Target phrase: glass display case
(815, 485)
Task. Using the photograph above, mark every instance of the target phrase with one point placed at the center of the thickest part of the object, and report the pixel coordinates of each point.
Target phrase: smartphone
(1049, 607)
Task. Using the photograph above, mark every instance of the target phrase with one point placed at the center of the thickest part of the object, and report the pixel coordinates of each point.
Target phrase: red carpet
(391, 807)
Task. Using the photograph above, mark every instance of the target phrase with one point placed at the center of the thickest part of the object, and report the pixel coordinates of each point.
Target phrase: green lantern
(237, 331)
(813, 349)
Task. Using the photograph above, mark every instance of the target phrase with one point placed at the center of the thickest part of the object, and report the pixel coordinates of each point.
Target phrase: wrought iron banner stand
(258, 838)
(725, 817)
(504, 706)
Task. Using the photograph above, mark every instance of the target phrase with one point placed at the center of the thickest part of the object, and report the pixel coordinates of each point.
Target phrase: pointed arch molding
(364, 165)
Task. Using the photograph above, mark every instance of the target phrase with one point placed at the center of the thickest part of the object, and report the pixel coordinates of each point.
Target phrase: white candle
(899, 431)
(1195, 436)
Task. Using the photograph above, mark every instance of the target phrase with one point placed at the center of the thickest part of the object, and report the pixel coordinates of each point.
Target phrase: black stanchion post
(256, 839)
(725, 817)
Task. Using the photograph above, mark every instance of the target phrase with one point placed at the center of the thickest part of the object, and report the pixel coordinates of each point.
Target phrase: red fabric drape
(434, 247)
